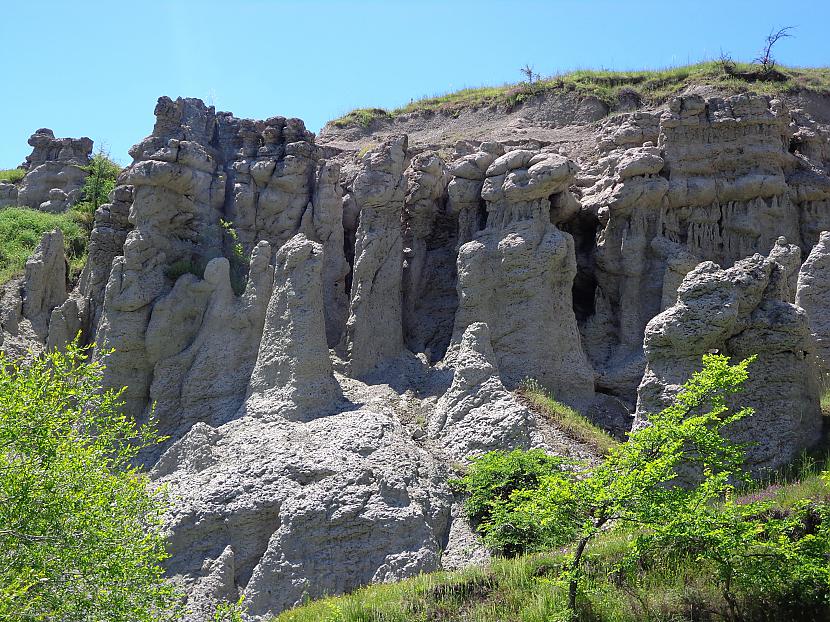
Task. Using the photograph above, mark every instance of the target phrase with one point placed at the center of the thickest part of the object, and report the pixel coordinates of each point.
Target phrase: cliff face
(323, 328)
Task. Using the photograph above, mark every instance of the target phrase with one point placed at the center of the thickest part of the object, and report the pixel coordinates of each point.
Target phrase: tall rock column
(374, 330)
(813, 295)
(517, 275)
(293, 375)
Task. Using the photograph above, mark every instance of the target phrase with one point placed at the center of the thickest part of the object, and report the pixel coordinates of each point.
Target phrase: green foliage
(12, 175)
(103, 173)
(21, 230)
(185, 266)
(362, 117)
(80, 529)
(489, 485)
(566, 418)
(230, 612)
(238, 260)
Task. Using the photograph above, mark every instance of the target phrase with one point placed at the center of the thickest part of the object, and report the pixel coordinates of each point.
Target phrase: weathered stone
(293, 376)
(813, 295)
(741, 311)
(523, 263)
(374, 330)
(477, 414)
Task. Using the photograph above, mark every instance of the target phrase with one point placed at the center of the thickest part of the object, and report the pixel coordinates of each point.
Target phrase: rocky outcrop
(27, 303)
(523, 263)
(741, 312)
(55, 171)
(813, 295)
(429, 233)
(308, 509)
(321, 332)
(374, 330)
(293, 374)
(477, 414)
(705, 179)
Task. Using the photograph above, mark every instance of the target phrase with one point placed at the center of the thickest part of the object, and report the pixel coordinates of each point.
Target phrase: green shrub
(21, 230)
(12, 175)
(81, 533)
(103, 173)
(185, 266)
(489, 485)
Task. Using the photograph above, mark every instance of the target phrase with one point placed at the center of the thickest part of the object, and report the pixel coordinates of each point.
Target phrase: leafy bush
(21, 230)
(80, 529)
(185, 266)
(12, 175)
(489, 485)
(103, 173)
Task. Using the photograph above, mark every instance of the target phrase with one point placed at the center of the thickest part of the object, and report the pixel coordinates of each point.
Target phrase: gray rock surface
(477, 414)
(444, 267)
(55, 173)
(293, 376)
(813, 295)
(740, 311)
(523, 263)
(374, 330)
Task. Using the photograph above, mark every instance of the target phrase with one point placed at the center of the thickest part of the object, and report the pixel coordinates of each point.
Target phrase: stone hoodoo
(374, 330)
(429, 298)
(205, 186)
(740, 311)
(27, 303)
(517, 274)
(714, 179)
(293, 375)
(55, 173)
(477, 414)
(814, 297)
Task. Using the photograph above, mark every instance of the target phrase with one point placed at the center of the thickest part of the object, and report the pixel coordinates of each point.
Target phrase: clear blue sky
(96, 68)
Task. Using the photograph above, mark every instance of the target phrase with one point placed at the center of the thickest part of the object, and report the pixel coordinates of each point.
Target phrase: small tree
(100, 181)
(528, 72)
(766, 60)
(80, 528)
(637, 483)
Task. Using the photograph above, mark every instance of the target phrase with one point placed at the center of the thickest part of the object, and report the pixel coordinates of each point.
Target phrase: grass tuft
(12, 175)
(566, 418)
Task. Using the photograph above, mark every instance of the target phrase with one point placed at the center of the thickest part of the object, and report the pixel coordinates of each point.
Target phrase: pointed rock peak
(293, 375)
(476, 361)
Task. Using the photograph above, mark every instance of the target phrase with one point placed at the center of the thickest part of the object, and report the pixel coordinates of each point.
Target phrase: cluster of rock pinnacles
(318, 385)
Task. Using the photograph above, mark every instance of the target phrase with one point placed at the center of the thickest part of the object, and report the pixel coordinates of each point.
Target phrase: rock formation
(477, 414)
(293, 375)
(374, 330)
(813, 295)
(322, 329)
(740, 311)
(27, 303)
(522, 262)
(55, 173)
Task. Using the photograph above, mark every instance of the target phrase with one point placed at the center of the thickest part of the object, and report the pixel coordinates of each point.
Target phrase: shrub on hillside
(80, 528)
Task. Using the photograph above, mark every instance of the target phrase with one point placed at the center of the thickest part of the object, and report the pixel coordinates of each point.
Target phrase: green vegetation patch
(361, 116)
(21, 230)
(613, 87)
(566, 418)
(12, 175)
